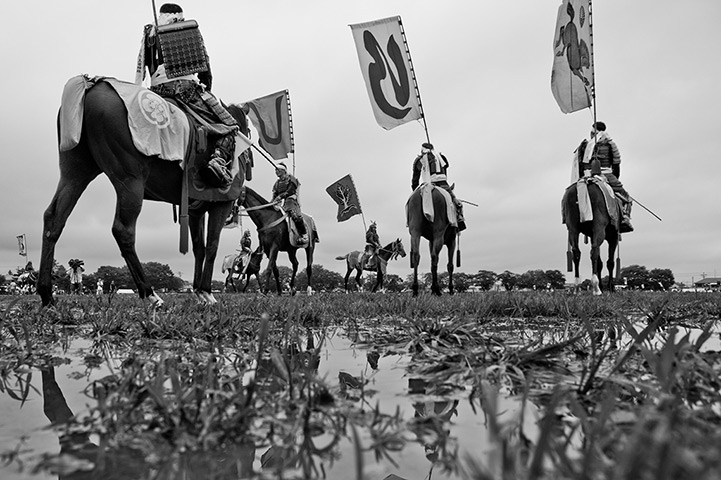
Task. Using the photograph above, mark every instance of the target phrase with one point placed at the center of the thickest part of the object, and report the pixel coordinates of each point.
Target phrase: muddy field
(501, 385)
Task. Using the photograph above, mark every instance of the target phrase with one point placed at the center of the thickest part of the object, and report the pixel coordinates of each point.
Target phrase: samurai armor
(183, 49)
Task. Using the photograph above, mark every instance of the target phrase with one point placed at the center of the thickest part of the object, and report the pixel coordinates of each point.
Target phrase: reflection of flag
(572, 74)
(344, 193)
(22, 246)
(272, 119)
(386, 66)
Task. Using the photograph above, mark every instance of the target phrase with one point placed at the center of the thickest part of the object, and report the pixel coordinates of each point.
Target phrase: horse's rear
(438, 232)
(600, 229)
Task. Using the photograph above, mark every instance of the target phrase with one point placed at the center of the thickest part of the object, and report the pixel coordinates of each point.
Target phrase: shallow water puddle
(24, 426)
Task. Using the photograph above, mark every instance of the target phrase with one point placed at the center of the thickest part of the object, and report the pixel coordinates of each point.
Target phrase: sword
(469, 203)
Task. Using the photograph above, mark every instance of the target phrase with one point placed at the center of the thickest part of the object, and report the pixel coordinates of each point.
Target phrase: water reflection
(331, 381)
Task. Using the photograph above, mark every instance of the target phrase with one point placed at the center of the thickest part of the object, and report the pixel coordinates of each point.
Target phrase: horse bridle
(394, 250)
(267, 205)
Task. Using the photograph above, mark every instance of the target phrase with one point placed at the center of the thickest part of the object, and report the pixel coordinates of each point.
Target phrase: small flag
(22, 246)
(271, 117)
(386, 66)
(572, 73)
(343, 192)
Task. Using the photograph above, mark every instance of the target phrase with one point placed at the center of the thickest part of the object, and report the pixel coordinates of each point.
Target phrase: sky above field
(483, 70)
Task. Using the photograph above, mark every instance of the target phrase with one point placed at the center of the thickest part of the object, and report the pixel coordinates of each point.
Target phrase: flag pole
(593, 79)
(415, 80)
(290, 128)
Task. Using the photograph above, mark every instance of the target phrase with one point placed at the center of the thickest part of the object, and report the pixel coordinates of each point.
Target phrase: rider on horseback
(607, 153)
(285, 189)
(372, 245)
(244, 256)
(434, 165)
(191, 90)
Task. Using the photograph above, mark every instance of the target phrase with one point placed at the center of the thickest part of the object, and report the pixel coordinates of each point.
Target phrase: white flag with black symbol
(386, 66)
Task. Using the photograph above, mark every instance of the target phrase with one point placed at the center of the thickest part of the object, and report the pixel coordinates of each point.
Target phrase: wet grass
(622, 392)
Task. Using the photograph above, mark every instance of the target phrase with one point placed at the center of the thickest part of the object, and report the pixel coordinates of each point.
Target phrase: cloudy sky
(483, 71)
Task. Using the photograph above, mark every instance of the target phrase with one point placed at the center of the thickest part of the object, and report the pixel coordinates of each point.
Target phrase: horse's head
(398, 248)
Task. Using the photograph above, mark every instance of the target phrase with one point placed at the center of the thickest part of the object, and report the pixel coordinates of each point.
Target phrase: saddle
(584, 201)
(426, 192)
(309, 227)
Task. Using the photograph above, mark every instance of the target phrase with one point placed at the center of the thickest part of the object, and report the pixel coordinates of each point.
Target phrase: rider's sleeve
(615, 153)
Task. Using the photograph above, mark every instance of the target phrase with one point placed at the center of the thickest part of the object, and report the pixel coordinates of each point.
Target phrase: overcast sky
(483, 71)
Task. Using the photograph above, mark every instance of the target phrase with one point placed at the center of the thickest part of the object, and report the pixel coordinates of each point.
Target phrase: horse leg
(435, 247)
(379, 279)
(196, 222)
(309, 266)
(596, 263)
(451, 245)
(576, 254)
(129, 203)
(358, 275)
(77, 170)
(415, 257)
(294, 263)
(216, 219)
(612, 241)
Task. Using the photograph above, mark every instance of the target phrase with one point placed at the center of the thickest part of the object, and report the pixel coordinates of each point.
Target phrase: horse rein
(267, 205)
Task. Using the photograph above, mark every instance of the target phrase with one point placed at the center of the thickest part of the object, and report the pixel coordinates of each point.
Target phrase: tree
(661, 279)
(323, 279)
(635, 276)
(393, 283)
(556, 279)
(461, 281)
(508, 280)
(485, 279)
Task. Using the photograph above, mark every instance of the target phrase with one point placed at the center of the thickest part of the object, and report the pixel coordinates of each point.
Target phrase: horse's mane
(254, 194)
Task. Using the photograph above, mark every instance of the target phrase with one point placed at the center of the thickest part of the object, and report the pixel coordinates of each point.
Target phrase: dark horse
(438, 232)
(355, 261)
(274, 237)
(601, 228)
(106, 146)
(236, 267)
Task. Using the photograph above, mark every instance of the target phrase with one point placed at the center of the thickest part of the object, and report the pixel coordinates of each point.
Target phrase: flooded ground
(67, 388)
(390, 398)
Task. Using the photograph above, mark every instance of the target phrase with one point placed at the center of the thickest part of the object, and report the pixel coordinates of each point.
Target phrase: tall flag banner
(271, 117)
(572, 75)
(387, 71)
(343, 192)
(22, 246)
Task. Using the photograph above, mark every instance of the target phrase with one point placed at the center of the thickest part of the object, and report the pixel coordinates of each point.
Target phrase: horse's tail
(343, 257)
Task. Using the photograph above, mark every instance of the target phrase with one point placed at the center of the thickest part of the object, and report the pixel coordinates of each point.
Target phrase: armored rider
(245, 243)
(601, 146)
(434, 167)
(191, 90)
(372, 245)
(285, 190)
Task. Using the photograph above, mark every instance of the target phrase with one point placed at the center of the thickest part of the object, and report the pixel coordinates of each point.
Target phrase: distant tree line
(161, 277)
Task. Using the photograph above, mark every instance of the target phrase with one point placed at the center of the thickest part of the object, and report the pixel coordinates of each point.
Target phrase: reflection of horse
(106, 146)
(233, 264)
(355, 260)
(274, 237)
(438, 232)
(601, 228)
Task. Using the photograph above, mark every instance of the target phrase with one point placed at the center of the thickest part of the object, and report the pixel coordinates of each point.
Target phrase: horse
(601, 228)
(356, 261)
(438, 232)
(233, 264)
(106, 146)
(274, 237)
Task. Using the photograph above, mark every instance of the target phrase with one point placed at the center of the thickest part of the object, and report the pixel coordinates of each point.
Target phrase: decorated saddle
(584, 202)
(426, 192)
(159, 128)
